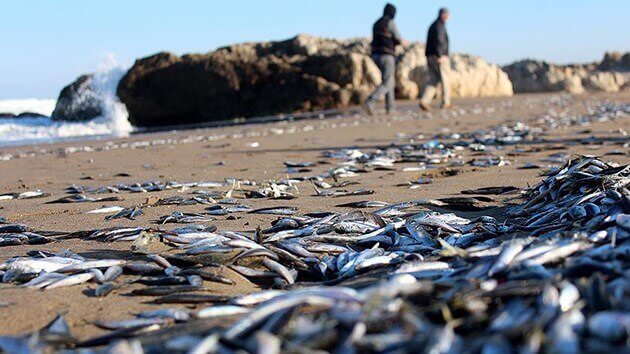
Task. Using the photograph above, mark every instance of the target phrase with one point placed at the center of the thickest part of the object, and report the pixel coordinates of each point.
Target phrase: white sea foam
(31, 130)
(33, 105)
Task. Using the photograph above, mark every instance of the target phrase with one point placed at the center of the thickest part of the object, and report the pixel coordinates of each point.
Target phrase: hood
(390, 11)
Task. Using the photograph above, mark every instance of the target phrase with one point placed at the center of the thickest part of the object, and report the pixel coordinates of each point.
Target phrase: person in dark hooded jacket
(385, 38)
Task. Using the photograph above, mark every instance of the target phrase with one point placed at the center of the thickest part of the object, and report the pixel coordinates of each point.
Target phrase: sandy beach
(257, 152)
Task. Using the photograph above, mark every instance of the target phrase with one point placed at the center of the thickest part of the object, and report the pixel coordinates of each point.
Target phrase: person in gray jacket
(385, 38)
(437, 62)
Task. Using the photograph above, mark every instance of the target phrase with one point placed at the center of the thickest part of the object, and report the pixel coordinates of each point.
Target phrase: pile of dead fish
(502, 134)
(601, 113)
(551, 277)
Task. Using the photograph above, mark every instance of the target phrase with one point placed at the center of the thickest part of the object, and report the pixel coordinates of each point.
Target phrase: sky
(46, 44)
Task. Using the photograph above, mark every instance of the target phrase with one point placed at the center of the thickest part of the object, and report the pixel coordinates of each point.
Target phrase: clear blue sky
(44, 45)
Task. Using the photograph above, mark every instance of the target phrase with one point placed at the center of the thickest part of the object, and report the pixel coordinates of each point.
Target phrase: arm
(442, 47)
(394, 31)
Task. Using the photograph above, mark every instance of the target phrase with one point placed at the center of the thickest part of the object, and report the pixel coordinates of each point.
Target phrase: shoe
(446, 106)
(425, 107)
(390, 111)
(369, 108)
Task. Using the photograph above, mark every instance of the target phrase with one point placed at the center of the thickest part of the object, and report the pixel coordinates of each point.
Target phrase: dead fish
(176, 314)
(105, 289)
(252, 273)
(209, 249)
(112, 273)
(128, 213)
(191, 298)
(133, 323)
(364, 204)
(24, 195)
(14, 228)
(257, 298)
(70, 281)
(529, 166)
(245, 324)
(43, 280)
(221, 311)
(165, 290)
(507, 255)
(292, 164)
(208, 275)
(184, 218)
(106, 210)
(491, 190)
(102, 263)
(256, 252)
(57, 332)
(279, 269)
(162, 280)
(32, 194)
(610, 326)
(281, 210)
(143, 268)
(80, 198)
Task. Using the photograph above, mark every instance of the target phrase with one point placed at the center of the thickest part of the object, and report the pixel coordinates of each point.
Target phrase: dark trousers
(387, 64)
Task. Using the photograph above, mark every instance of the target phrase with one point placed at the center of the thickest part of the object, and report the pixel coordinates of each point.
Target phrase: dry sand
(188, 160)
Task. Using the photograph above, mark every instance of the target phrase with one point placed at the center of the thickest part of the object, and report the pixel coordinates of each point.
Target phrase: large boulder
(231, 82)
(470, 76)
(535, 76)
(606, 81)
(78, 101)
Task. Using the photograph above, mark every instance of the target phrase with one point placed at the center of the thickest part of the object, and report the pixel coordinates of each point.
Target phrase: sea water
(32, 130)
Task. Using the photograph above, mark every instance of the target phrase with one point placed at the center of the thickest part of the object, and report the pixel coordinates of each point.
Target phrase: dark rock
(22, 115)
(534, 76)
(78, 101)
(239, 81)
(615, 61)
(31, 115)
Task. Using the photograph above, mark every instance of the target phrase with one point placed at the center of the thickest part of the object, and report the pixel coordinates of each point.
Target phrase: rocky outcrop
(255, 79)
(470, 76)
(311, 73)
(615, 61)
(539, 76)
(78, 101)
(300, 74)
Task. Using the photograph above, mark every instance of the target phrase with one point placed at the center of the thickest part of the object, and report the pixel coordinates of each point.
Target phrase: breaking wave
(33, 129)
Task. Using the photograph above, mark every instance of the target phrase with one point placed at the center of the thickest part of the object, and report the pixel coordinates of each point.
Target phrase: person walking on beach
(437, 62)
(385, 38)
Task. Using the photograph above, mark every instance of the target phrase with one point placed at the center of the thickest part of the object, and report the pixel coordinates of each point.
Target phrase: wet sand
(257, 152)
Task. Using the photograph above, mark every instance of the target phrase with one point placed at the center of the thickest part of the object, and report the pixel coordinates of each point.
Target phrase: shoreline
(405, 106)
